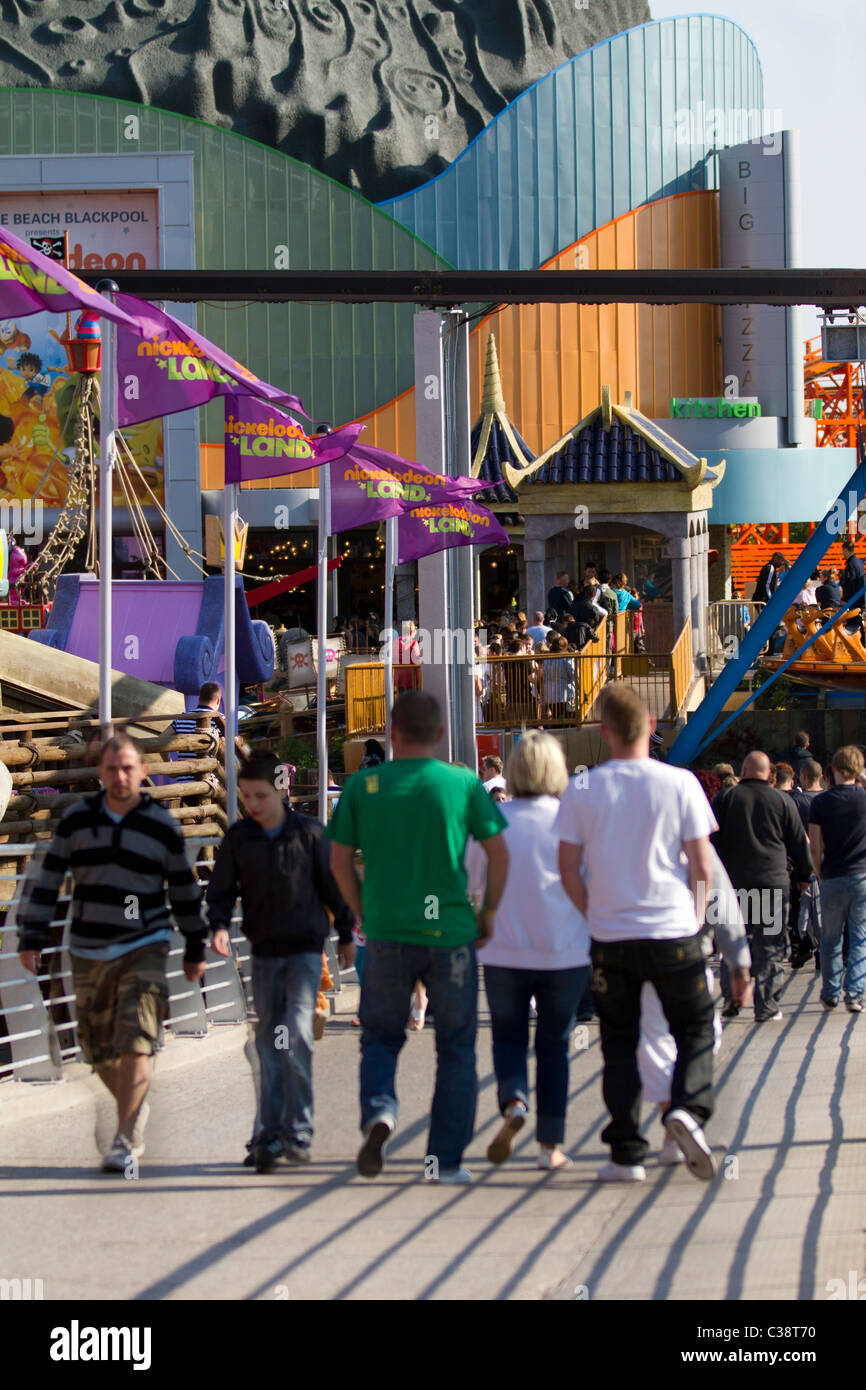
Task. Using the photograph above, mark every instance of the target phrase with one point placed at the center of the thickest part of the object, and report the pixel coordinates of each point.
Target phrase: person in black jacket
(853, 577)
(278, 862)
(770, 578)
(560, 598)
(759, 831)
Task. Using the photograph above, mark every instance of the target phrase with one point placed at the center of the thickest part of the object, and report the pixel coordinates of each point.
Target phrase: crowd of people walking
(423, 868)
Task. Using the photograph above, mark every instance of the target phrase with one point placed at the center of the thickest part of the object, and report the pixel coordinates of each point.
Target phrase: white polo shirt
(632, 820)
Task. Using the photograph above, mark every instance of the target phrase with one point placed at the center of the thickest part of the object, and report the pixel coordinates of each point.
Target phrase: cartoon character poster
(106, 229)
(36, 390)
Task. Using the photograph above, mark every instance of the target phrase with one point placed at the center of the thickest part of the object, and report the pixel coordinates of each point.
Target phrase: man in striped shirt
(208, 703)
(123, 851)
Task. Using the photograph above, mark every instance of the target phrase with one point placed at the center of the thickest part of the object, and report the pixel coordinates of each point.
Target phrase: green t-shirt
(411, 818)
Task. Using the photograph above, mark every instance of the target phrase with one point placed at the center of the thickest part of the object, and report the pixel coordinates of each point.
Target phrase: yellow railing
(682, 668)
(365, 694)
(549, 688)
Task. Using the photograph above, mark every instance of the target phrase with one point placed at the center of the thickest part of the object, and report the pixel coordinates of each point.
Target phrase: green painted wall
(342, 361)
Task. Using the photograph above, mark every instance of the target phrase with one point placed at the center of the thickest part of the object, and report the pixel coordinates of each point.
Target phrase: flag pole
(390, 561)
(229, 649)
(324, 530)
(107, 457)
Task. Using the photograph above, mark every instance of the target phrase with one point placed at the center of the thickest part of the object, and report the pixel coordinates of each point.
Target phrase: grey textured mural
(379, 94)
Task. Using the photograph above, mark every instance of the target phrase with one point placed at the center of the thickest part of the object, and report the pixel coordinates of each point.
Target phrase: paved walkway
(784, 1217)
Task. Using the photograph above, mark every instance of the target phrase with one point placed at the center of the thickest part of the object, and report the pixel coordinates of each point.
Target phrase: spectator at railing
(560, 597)
(807, 596)
(770, 577)
(557, 682)
(829, 592)
(539, 629)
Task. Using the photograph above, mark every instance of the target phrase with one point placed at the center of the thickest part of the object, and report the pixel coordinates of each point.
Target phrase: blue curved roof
(625, 123)
(599, 455)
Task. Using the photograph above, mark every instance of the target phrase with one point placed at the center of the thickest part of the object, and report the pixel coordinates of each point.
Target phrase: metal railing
(728, 621)
(365, 694)
(38, 1026)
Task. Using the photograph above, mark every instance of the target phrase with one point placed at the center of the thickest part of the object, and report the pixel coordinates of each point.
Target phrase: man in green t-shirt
(411, 818)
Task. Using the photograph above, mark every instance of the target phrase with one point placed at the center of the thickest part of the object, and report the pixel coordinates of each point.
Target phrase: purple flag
(175, 368)
(31, 282)
(372, 484)
(424, 530)
(261, 442)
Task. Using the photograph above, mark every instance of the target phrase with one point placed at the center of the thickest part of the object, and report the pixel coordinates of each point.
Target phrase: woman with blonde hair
(540, 948)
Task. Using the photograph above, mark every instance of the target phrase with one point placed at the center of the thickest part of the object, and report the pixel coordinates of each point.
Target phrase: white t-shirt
(493, 782)
(632, 820)
(537, 926)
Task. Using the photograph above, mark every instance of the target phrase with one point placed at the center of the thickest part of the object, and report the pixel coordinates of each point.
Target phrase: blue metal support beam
(689, 741)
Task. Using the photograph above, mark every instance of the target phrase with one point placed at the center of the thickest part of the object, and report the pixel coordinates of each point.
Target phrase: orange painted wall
(556, 358)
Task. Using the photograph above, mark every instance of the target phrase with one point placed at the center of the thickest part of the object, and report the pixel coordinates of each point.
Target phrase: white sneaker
(685, 1130)
(453, 1176)
(622, 1172)
(670, 1153)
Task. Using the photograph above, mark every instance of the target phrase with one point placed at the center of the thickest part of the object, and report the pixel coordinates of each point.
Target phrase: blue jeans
(557, 995)
(843, 902)
(284, 996)
(451, 977)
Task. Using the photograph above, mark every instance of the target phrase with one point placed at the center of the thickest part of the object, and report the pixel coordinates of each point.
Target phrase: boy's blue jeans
(284, 996)
(391, 969)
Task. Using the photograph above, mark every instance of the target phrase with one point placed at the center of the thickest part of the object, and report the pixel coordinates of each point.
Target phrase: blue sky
(813, 60)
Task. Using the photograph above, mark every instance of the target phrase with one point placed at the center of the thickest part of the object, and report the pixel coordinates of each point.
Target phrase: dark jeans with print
(677, 969)
(451, 977)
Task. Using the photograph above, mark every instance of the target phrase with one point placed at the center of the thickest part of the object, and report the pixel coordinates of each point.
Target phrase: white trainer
(622, 1172)
(685, 1130)
(670, 1153)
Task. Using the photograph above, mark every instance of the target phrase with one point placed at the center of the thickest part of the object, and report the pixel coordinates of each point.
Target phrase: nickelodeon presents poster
(106, 229)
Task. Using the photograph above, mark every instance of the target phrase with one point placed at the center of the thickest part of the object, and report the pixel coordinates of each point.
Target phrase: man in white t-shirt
(634, 856)
(491, 772)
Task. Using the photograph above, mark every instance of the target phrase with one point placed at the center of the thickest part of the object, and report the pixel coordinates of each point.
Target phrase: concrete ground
(784, 1217)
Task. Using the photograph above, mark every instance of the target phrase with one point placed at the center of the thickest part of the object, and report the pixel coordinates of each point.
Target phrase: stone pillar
(404, 594)
(703, 542)
(679, 550)
(695, 592)
(536, 586)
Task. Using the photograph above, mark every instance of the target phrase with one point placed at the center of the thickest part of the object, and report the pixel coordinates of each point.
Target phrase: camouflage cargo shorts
(121, 1004)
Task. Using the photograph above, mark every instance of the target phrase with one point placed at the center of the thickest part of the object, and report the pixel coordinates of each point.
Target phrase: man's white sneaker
(453, 1176)
(622, 1172)
(671, 1153)
(685, 1130)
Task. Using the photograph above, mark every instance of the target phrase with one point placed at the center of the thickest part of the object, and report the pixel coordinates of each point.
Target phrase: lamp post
(107, 424)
